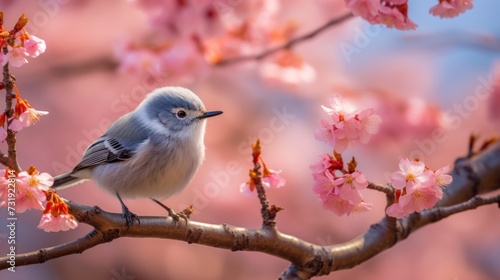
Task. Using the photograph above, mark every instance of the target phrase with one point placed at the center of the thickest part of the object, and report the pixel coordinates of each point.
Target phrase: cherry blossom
(326, 133)
(370, 123)
(5, 180)
(367, 9)
(339, 194)
(268, 178)
(181, 19)
(29, 197)
(34, 46)
(349, 185)
(62, 222)
(451, 8)
(417, 187)
(56, 215)
(421, 198)
(339, 206)
(349, 125)
(411, 173)
(30, 189)
(323, 186)
(20, 46)
(3, 58)
(441, 177)
(181, 59)
(16, 57)
(325, 163)
(24, 115)
(393, 14)
(247, 188)
(272, 179)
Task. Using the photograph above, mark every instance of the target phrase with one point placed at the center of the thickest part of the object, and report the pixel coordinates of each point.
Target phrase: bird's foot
(129, 216)
(175, 216)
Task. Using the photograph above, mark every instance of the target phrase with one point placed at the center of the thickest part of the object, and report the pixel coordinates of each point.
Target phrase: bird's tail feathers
(65, 180)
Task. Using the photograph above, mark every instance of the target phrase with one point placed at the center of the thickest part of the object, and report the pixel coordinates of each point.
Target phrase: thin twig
(10, 159)
(90, 240)
(381, 188)
(287, 45)
(436, 214)
(267, 218)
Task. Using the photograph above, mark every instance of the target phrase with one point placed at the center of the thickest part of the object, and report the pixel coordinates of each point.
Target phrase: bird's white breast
(158, 170)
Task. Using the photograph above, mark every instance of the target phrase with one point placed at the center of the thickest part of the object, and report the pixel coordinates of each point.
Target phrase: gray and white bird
(151, 152)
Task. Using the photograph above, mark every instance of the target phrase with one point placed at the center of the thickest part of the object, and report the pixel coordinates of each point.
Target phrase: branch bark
(9, 159)
(473, 175)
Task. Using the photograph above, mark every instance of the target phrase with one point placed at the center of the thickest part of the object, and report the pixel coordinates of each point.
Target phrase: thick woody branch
(90, 240)
(110, 226)
(472, 175)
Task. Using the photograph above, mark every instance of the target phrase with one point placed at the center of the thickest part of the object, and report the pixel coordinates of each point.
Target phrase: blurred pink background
(410, 78)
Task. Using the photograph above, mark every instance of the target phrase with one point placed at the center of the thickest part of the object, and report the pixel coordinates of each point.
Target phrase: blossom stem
(10, 159)
(267, 216)
(389, 191)
(381, 188)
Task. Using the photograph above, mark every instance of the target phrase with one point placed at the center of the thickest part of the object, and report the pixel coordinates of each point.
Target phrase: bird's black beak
(210, 114)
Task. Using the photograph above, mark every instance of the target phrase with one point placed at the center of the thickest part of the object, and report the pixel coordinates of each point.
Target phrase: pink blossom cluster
(190, 36)
(24, 116)
(417, 187)
(451, 8)
(182, 19)
(394, 13)
(348, 126)
(182, 59)
(338, 189)
(56, 215)
(18, 52)
(30, 190)
(175, 49)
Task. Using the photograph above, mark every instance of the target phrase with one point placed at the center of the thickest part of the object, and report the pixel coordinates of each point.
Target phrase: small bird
(151, 152)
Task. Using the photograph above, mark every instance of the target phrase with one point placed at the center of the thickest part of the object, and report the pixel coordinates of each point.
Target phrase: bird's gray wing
(104, 150)
(117, 144)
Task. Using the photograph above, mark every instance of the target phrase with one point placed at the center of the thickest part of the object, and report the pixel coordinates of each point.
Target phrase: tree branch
(9, 160)
(109, 226)
(287, 45)
(472, 175)
(90, 240)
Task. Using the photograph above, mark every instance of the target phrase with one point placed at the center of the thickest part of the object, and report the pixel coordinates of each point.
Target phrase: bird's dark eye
(181, 114)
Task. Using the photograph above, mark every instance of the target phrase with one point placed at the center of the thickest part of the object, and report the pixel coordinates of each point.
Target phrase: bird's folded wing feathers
(104, 150)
